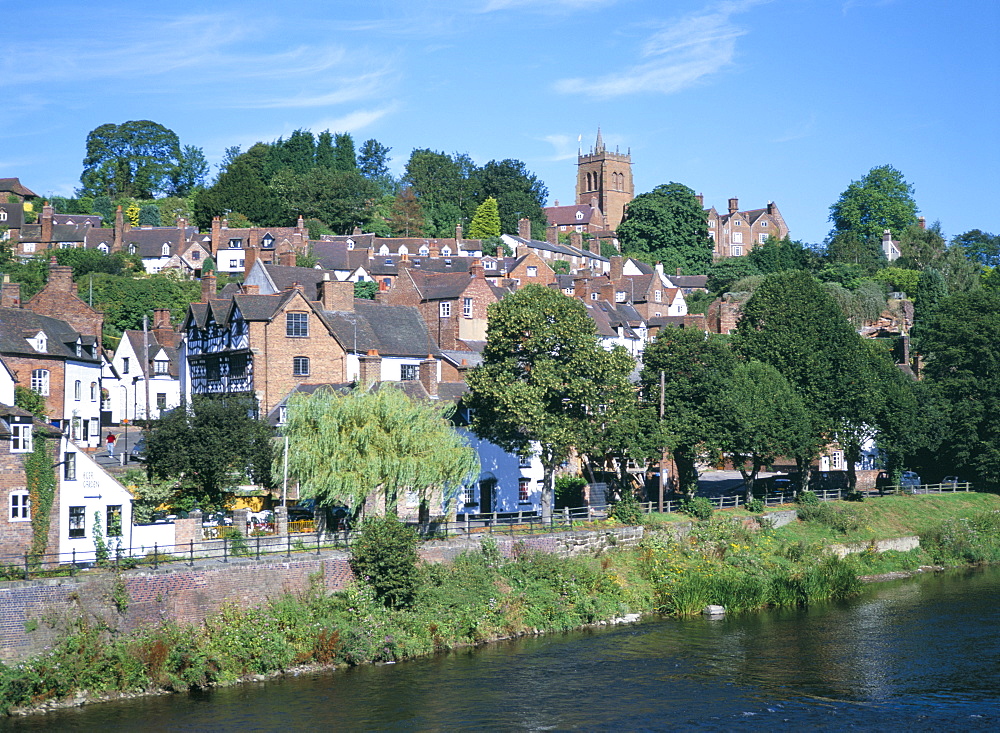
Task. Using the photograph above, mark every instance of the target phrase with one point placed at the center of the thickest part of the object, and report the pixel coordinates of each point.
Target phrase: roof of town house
(689, 281)
(91, 220)
(562, 249)
(17, 325)
(149, 241)
(14, 185)
(284, 277)
(567, 215)
(392, 330)
(157, 342)
(252, 308)
(60, 233)
(440, 286)
(464, 358)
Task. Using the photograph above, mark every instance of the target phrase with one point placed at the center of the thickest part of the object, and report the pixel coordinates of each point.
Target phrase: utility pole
(663, 451)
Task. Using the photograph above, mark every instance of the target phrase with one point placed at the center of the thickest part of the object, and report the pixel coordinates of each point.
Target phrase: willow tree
(347, 448)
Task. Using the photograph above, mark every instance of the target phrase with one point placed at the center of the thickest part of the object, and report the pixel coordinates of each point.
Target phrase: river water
(917, 654)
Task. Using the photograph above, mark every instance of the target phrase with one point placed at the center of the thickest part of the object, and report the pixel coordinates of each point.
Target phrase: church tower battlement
(606, 178)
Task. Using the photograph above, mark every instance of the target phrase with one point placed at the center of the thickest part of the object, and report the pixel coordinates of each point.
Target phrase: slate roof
(562, 249)
(14, 185)
(440, 286)
(60, 233)
(17, 324)
(92, 220)
(394, 330)
(566, 215)
(689, 281)
(169, 345)
(285, 277)
(149, 242)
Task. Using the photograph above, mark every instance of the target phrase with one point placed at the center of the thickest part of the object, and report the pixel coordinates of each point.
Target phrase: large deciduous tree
(373, 444)
(191, 173)
(444, 186)
(668, 225)
(133, 159)
(543, 378)
(961, 345)
(881, 200)
(211, 447)
(518, 192)
(696, 367)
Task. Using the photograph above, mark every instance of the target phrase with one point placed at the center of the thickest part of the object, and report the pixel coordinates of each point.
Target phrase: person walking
(111, 444)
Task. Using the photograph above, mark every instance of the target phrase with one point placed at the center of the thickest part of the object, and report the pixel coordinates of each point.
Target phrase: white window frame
(77, 390)
(736, 250)
(19, 506)
(409, 372)
(297, 325)
(532, 271)
(467, 307)
(21, 438)
(444, 309)
(737, 238)
(40, 381)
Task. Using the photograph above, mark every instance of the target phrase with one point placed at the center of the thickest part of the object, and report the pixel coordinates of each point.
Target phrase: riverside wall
(35, 613)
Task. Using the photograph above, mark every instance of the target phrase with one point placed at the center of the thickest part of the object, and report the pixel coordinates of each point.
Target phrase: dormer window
(350, 244)
(103, 247)
(579, 216)
(267, 241)
(133, 249)
(424, 251)
(165, 250)
(489, 265)
(403, 250)
(235, 243)
(39, 343)
(446, 251)
(161, 366)
(620, 296)
(383, 250)
(78, 348)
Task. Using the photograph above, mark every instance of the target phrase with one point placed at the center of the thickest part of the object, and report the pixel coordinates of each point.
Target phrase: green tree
(961, 347)
(696, 368)
(385, 557)
(125, 300)
(543, 378)
(30, 400)
(344, 158)
(445, 188)
(149, 215)
(102, 205)
(134, 159)
(191, 173)
(518, 192)
(486, 221)
(776, 255)
(850, 248)
(347, 448)
(766, 418)
(373, 160)
(243, 187)
(881, 200)
(365, 289)
(899, 279)
(212, 447)
(725, 272)
(341, 199)
(793, 324)
(667, 225)
(979, 246)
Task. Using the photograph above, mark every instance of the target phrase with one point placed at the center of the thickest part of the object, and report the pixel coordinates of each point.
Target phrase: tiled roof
(14, 185)
(566, 215)
(394, 330)
(16, 324)
(440, 286)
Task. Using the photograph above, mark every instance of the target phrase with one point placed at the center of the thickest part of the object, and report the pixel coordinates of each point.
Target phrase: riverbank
(483, 597)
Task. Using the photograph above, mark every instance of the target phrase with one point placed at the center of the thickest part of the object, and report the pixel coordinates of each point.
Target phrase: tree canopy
(212, 447)
(371, 445)
(881, 200)
(136, 158)
(667, 225)
(486, 221)
(543, 379)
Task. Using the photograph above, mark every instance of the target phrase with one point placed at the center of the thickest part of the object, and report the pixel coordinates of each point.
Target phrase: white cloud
(354, 121)
(673, 58)
(565, 147)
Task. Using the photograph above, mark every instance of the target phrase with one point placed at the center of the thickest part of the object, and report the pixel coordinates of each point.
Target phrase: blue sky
(783, 100)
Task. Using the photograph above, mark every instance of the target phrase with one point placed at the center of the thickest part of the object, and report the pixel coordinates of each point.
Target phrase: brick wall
(188, 594)
(58, 299)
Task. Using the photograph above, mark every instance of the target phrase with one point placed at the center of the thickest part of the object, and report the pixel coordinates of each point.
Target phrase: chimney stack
(216, 234)
(336, 295)
(119, 240)
(476, 270)
(61, 277)
(923, 222)
(576, 240)
(734, 205)
(287, 258)
(161, 319)
(429, 376)
(251, 289)
(617, 268)
(207, 287)
(370, 367)
(701, 199)
(524, 228)
(10, 293)
(46, 221)
(458, 232)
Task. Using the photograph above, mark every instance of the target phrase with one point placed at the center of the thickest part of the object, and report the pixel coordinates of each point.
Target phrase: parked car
(138, 452)
(909, 480)
(951, 481)
(783, 486)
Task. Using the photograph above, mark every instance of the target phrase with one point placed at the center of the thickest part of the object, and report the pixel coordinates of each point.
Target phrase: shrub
(627, 510)
(756, 506)
(385, 557)
(807, 498)
(698, 507)
(569, 491)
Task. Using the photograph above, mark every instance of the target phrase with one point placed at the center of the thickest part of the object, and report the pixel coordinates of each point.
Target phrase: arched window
(165, 250)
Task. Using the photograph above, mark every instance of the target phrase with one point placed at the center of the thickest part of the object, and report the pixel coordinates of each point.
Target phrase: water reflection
(923, 653)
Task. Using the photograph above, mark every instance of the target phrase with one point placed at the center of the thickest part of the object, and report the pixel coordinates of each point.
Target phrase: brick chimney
(617, 266)
(336, 295)
(119, 230)
(10, 293)
(287, 258)
(46, 221)
(552, 234)
(250, 255)
(476, 270)
(595, 246)
(458, 232)
(500, 253)
(576, 240)
(524, 228)
(922, 222)
(429, 375)
(701, 199)
(61, 277)
(608, 292)
(734, 205)
(216, 234)
(251, 289)
(370, 367)
(207, 287)
(161, 319)
(581, 288)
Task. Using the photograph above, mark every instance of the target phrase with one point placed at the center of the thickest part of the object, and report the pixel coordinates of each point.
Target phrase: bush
(807, 498)
(627, 510)
(385, 557)
(569, 491)
(756, 506)
(698, 507)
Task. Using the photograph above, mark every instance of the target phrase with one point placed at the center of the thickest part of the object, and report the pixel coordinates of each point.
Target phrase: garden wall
(33, 614)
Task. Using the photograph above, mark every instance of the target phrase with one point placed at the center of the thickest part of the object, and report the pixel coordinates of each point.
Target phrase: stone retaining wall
(899, 544)
(34, 613)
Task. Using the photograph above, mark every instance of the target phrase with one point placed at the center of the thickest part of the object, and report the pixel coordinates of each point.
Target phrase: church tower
(607, 178)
